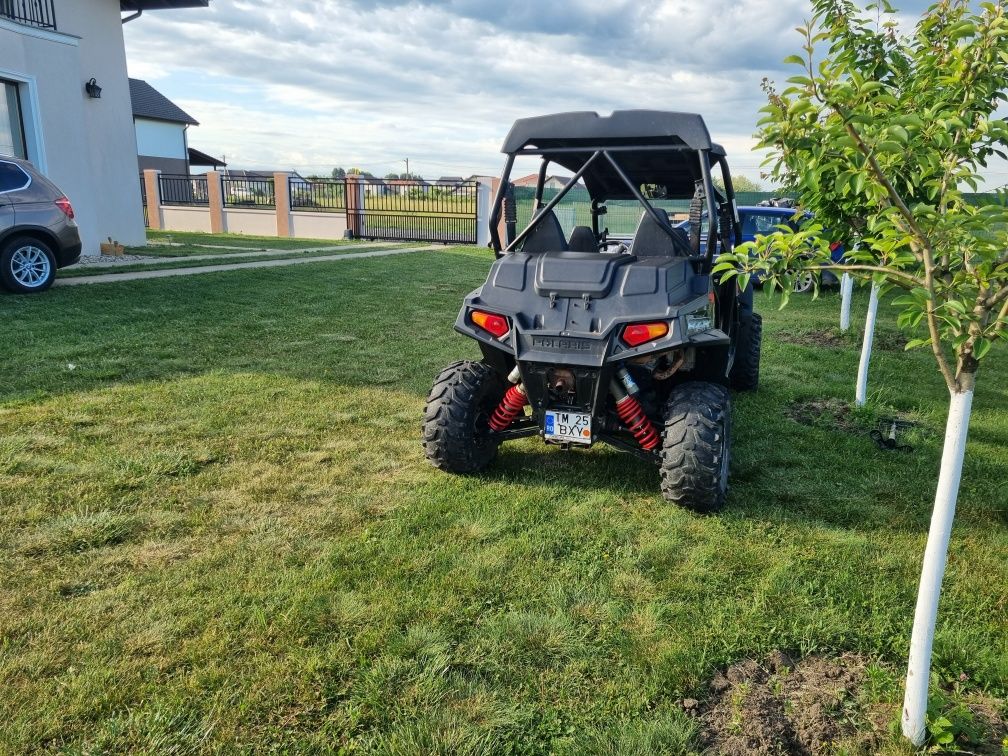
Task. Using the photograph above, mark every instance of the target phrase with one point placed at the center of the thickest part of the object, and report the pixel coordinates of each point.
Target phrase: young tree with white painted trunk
(896, 123)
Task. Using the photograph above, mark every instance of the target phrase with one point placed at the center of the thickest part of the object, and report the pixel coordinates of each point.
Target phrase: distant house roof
(533, 178)
(268, 175)
(248, 174)
(149, 103)
(201, 158)
(451, 179)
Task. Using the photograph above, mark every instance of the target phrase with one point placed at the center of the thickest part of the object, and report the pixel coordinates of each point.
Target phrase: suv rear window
(762, 223)
(12, 177)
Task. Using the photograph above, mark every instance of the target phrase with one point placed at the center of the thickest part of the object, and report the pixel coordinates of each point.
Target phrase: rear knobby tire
(696, 446)
(456, 434)
(745, 370)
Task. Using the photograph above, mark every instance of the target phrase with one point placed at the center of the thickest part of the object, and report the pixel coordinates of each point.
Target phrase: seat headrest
(651, 240)
(546, 236)
(582, 239)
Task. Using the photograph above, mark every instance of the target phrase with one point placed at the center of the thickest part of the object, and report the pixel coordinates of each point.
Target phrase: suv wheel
(27, 265)
(456, 434)
(696, 446)
(804, 282)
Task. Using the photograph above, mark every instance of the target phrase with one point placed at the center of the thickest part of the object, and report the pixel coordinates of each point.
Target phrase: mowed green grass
(187, 240)
(219, 533)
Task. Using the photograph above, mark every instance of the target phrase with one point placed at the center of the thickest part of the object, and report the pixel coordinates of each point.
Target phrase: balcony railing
(37, 13)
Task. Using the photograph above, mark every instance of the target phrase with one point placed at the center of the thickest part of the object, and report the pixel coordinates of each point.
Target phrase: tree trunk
(935, 554)
(861, 394)
(846, 288)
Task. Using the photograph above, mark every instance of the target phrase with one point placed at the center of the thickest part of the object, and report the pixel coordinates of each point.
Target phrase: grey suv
(38, 234)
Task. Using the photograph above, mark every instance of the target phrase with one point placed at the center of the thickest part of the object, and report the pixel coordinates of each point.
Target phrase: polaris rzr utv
(591, 337)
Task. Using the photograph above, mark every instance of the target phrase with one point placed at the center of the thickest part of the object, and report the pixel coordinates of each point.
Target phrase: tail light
(636, 334)
(64, 204)
(490, 322)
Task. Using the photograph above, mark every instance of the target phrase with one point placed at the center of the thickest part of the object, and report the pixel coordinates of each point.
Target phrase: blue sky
(310, 84)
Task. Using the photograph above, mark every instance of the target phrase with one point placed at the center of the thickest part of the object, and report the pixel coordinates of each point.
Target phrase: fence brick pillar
(281, 193)
(354, 205)
(215, 193)
(153, 193)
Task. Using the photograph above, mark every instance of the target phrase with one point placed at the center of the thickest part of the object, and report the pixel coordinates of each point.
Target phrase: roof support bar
(607, 148)
(713, 224)
(553, 202)
(498, 202)
(544, 166)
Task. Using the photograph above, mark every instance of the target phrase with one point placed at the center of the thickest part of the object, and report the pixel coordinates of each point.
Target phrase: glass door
(12, 138)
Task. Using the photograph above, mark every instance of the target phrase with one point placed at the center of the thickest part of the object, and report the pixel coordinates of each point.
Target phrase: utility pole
(408, 176)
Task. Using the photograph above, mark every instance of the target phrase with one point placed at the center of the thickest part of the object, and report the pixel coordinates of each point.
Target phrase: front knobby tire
(696, 446)
(745, 370)
(456, 434)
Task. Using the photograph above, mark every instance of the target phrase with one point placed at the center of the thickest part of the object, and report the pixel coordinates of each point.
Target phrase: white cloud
(309, 84)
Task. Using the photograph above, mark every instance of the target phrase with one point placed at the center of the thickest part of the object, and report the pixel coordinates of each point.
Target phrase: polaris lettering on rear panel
(561, 344)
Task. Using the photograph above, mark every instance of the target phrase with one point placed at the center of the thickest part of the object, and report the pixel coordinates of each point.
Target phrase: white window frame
(31, 118)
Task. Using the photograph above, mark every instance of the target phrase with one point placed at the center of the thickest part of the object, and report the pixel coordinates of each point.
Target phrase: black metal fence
(143, 200)
(183, 190)
(248, 192)
(374, 208)
(38, 13)
(414, 211)
(317, 194)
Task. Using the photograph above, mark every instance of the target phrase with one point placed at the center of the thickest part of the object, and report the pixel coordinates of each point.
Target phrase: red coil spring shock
(511, 406)
(633, 417)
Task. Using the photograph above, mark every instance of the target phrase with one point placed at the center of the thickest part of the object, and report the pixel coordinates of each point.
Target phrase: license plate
(570, 427)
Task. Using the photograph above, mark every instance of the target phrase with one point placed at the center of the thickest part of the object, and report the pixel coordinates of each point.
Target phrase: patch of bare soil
(783, 706)
(830, 413)
(890, 342)
(824, 338)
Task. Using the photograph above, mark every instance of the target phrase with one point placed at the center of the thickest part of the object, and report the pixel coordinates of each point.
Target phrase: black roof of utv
(651, 147)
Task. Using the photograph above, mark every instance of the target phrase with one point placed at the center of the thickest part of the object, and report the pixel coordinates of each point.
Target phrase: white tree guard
(935, 556)
(861, 394)
(846, 290)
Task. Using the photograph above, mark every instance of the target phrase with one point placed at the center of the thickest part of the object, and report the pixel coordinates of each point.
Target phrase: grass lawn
(188, 239)
(219, 533)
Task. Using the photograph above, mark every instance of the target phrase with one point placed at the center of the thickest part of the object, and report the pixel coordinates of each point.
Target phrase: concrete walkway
(112, 262)
(264, 248)
(140, 275)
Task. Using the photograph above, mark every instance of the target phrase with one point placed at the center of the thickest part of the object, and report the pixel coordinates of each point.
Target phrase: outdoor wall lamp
(92, 89)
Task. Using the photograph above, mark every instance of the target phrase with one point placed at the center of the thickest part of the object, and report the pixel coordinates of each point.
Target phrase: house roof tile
(149, 103)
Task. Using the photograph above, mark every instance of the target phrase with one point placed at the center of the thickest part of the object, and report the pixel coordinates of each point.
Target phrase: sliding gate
(403, 210)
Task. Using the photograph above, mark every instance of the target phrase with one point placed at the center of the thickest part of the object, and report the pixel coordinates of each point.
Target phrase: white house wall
(160, 139)
(87, 146)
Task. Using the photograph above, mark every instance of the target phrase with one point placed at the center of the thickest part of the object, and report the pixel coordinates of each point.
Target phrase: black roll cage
(715, 231)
